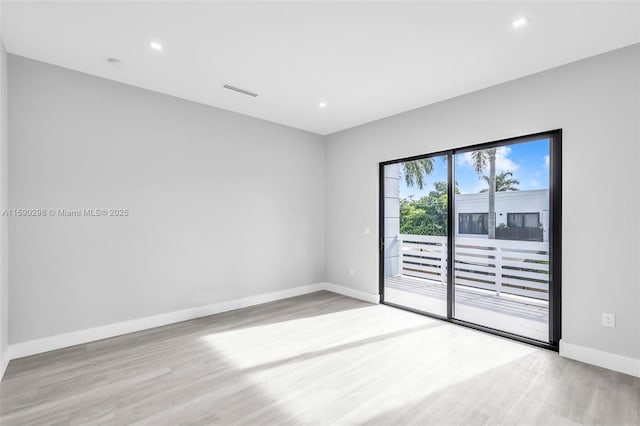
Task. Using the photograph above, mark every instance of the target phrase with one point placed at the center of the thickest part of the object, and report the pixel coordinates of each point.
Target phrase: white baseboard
(355, 294)
(33, 347)
(4, 362)
(600, 358)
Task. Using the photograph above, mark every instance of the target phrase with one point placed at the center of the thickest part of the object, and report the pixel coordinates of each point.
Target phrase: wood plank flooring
(314, 359)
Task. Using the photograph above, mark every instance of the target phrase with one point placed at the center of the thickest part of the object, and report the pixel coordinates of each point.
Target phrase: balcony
(501, 284)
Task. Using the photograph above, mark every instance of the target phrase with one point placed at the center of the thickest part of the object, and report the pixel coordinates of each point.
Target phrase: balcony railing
(502, 266)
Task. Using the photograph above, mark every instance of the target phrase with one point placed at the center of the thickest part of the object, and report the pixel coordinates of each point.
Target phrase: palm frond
(479, 160)
(503, 183)
(416, 171)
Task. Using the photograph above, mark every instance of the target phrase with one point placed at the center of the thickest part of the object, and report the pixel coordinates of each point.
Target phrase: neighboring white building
(524, 214)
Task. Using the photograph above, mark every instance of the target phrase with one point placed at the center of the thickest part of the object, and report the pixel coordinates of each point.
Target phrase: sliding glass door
(501, 239)
(415, 234)
(471, 235)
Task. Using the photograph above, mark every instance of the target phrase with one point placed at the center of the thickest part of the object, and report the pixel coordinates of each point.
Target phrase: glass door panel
(501, 238)
(415, 234)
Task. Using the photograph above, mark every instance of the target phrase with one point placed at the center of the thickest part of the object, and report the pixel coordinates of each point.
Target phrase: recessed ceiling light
(154, 45)
(322, 104)
(520, 22)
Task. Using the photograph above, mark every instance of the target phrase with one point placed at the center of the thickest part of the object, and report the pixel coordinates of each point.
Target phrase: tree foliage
(504, 182)
(426, 215)
(415, 171)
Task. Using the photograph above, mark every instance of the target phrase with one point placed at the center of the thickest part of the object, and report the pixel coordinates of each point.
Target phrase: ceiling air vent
(237, 89)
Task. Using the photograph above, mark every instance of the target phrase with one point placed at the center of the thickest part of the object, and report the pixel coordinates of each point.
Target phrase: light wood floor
(314, 359)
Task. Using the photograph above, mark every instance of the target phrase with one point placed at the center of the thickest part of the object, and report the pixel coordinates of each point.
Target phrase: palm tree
(415, 171)
(503, 182)
(480, 160)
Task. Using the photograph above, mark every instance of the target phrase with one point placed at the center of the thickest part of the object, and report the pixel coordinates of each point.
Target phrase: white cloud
(533, 183)
(503, 162)
(473, 187)
(546, 161)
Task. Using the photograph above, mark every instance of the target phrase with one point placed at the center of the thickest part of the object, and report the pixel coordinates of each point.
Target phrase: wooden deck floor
(519, 315)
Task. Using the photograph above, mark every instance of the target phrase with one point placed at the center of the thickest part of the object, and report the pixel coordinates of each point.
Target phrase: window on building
(523, 220)
(473, 223)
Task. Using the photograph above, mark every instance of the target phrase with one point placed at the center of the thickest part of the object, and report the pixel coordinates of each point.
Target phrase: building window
(473, 223)
(523, 220)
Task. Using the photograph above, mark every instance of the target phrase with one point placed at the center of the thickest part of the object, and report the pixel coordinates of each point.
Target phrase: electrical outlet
(367, 230)
(352, 272)
(608, 320)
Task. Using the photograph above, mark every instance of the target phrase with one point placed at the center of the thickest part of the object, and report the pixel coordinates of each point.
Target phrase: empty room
(319, 212)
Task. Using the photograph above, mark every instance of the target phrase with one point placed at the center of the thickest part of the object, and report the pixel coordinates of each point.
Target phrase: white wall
(597, 104)
(4, 279)
(223, 206)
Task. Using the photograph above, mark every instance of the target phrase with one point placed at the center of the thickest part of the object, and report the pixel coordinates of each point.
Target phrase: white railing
(502, 266)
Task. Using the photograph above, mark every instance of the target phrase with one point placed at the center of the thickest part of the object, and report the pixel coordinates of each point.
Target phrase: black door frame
(555, 235)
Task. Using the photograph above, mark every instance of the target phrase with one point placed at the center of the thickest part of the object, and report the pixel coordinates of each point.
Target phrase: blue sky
(529, 162)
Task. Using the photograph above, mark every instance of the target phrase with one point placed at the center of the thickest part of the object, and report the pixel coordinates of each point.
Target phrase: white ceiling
(366, 60)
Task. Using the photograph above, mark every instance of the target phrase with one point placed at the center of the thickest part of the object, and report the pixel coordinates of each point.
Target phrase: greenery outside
(428, 215)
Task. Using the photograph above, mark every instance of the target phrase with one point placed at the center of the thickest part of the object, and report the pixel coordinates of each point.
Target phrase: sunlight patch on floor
(296, 365)
(258, 345)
